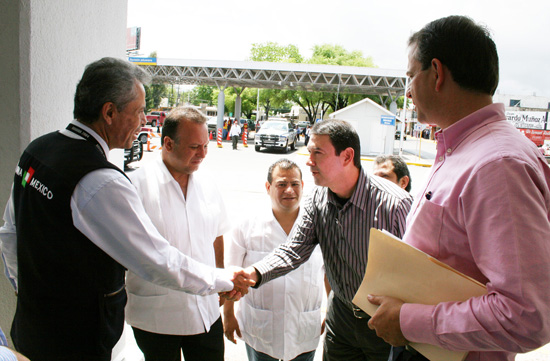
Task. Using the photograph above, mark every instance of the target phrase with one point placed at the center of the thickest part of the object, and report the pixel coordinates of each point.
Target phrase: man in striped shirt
(338, 216)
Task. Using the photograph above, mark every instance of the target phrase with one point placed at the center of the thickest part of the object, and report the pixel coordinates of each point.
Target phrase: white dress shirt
(106, 208)
(190, 224)
(282, 318)
(235, 130)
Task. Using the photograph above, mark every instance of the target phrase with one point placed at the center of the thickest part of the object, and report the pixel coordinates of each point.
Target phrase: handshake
(242, 279)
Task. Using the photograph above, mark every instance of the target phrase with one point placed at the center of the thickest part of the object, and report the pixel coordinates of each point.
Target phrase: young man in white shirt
(282, 320)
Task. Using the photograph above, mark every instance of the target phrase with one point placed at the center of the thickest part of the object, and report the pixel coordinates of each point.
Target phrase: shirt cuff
(416, 323)
(223, 282)
(6, 354)
(263, 271)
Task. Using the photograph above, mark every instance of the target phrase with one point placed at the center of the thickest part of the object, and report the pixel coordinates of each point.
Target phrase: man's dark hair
(464, 47)
(106, 80)
(399, 167)
(175, 117)
(284, 164)
(342, 135)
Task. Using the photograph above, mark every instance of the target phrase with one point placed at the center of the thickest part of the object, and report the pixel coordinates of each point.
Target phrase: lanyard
(84, 134)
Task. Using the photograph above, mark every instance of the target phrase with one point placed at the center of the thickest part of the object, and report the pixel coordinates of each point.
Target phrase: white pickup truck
(279, 134)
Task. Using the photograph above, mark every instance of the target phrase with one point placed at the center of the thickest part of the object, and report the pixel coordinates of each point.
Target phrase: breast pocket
(258, 323)
(253, 257)
(425, 229)
(310, 326)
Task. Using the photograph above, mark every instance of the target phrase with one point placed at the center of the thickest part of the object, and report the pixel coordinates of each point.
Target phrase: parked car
(143, 134)
(303, 124)
(156, 118)
(279, 134)
(398, 135)
(251, 124)
(212, 124)
(133, 154)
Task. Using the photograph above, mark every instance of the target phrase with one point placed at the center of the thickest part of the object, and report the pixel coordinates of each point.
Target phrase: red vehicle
(156, 118)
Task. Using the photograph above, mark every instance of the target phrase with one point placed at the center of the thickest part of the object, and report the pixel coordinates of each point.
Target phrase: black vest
(71, 294)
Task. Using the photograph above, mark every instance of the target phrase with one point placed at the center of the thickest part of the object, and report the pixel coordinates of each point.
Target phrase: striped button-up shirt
(342, 231)
(5, 353)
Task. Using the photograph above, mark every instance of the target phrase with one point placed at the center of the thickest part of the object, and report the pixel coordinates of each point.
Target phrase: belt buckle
(359, 313)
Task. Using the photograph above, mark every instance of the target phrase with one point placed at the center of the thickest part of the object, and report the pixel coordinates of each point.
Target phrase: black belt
(357, 312)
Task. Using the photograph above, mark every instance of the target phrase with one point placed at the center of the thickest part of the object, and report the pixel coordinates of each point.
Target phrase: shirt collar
(451, 137)
(358, 198)
(166, 175)
(96, 136)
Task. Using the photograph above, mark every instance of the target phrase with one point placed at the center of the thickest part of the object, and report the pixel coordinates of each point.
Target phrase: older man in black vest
(74, 223)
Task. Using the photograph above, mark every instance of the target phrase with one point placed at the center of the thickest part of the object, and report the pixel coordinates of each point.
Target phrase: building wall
(364, 116)
(526, 101)
(46, 45)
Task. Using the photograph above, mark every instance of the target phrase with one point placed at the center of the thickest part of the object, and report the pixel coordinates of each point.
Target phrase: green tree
(332, 54)
(202, 94)
(273, 52)
(153, 95)
(336, 55)
(154, 92)
(248, 102)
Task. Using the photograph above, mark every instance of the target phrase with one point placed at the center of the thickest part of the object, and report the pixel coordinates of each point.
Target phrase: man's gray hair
(106, 80)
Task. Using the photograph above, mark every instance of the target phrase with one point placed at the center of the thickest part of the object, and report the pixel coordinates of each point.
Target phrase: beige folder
(399, 270)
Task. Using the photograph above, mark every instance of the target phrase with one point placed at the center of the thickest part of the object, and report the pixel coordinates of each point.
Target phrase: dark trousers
(350, 338)
(235, 139)
(207, 346)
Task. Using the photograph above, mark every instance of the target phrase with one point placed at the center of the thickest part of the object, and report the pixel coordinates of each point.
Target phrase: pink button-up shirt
(485, 212)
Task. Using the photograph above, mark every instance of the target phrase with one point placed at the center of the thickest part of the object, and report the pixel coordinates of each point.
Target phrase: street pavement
(241, 175)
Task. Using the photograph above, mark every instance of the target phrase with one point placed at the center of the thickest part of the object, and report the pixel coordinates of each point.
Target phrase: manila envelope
(399, 270)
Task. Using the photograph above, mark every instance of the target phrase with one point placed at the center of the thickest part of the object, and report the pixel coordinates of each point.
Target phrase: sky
(226, 30)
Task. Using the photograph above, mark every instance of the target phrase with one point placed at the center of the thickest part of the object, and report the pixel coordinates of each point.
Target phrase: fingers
(371, 325)
(385, 320)
(242, 280)
(375, 300)
(233, 295)
(231, 326)
(229, 335)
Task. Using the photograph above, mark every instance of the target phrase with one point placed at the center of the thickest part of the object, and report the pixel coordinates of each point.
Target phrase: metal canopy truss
(310, 77)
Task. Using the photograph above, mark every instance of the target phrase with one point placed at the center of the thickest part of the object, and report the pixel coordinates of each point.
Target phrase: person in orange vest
(226, 126)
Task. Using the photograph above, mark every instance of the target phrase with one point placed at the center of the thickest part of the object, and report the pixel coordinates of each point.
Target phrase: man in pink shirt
(484, 209)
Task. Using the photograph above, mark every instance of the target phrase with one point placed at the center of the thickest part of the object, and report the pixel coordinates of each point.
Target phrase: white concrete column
(221, 107)
(393, 106)
(238, 103)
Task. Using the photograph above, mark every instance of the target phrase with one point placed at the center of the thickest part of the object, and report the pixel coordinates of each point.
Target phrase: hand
(241, 282)
(230, 325)
(232, 295)
(251, 274)
(386, 319)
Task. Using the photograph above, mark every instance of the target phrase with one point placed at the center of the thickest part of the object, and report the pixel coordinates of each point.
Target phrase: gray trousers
(349, 338)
